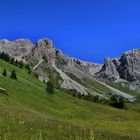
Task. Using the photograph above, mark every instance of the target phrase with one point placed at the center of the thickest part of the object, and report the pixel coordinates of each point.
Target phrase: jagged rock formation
(109, 70)
(43, 56)
(17, 48)
(126, 67)
(129, 68)
(44, 50)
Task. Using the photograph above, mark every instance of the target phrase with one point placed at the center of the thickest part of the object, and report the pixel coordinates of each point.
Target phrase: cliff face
(129, 67)
(126, 67)
(109, 69)
(44, 49)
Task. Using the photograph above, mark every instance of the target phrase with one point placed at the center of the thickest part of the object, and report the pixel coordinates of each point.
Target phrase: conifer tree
(13, 75)
(50, 87)
(4, 72)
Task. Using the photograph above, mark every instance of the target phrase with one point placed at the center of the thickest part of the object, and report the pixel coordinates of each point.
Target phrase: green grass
(124, 89)
(96, 86)
(29, 113)
(91, 84)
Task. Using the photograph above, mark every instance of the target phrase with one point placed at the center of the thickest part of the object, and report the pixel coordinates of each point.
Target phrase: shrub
(117, 102)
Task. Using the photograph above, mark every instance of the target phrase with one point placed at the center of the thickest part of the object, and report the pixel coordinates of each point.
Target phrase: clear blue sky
(86, 29)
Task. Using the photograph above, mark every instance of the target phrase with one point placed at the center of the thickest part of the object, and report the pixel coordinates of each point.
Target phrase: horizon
(88, 30)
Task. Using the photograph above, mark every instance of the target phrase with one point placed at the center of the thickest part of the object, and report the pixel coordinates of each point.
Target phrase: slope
(29, 113)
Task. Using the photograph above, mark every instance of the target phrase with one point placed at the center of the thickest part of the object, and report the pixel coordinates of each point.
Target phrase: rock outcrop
(109, 70)
(17, 48)
(126, 67)
(44, 51)
(43, 55)
(2, 91)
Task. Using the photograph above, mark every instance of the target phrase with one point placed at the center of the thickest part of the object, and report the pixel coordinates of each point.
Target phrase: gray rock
(45, 50)
(17, 48)
(126, 67)
(44, 53)
(2, 90)
(109, 70)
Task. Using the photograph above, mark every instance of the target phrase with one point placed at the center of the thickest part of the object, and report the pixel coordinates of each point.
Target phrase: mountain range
(69, 73)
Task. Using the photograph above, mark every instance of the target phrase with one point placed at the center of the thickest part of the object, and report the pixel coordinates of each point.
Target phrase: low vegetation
(28, 113)
(50, 87)
(113, 100)
(11, 60)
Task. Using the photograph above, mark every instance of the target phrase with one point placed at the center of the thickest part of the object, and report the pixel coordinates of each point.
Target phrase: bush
(96, 98)
(117, 102)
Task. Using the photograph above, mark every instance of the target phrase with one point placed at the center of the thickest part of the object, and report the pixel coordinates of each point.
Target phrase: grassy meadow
(28, 112)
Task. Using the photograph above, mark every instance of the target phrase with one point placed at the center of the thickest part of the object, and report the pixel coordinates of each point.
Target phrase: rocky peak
(109, 69)
(126, 67)
(130, 65)
(45, 42)
(43, 49)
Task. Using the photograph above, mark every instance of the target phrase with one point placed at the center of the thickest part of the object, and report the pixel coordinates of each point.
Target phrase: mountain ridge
(43, 55)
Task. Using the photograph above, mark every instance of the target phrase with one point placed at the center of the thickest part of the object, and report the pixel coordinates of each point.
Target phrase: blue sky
(86, 29)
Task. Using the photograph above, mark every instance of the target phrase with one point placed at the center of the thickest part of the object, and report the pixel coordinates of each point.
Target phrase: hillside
(47, 61)
(29, 113)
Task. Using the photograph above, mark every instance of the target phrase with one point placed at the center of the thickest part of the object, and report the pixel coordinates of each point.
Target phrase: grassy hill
(29, 113)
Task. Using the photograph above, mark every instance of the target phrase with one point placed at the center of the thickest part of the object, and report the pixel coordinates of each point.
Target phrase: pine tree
(13, 75)
(114, 100)
(4, 72)
(12, 60)
(50, 87)
(121, 102)
(27, 66)
(20, 64)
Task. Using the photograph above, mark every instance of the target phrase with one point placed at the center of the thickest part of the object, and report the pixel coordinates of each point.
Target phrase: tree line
(12, 76)
(113, 100)
(6, 57)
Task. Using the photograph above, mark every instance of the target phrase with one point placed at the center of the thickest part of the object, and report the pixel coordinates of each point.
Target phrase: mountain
(80, 107)
(48, 62)
(28, 112)
(123, 68)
